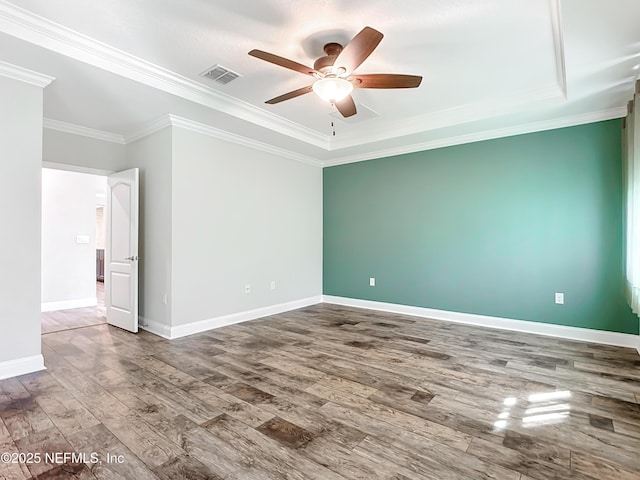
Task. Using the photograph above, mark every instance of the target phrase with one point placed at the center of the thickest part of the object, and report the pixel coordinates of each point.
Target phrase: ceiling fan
(334, 73)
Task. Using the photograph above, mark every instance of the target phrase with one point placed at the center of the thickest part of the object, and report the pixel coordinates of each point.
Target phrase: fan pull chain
(332, 116)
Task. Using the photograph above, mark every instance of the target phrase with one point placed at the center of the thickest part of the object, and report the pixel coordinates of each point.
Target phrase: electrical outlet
(273, 284)
(247, 288)
(560, 298)
(372, 282)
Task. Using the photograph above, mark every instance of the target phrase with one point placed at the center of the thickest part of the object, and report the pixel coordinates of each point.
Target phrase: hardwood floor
(59, 320)
(326, 392)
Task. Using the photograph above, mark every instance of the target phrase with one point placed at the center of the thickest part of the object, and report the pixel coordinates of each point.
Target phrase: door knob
(133, 258)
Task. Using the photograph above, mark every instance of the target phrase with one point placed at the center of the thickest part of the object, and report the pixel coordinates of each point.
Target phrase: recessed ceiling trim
(473, 112)
(25, 75)
(563, 122)
(65, 127)
(558, 44)
(40, 31)
(364, 134)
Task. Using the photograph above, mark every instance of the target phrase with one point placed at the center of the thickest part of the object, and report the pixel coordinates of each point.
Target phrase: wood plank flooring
(59, 320)
(325, 392)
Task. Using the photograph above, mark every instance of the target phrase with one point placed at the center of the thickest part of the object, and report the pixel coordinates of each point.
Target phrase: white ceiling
(491, 68)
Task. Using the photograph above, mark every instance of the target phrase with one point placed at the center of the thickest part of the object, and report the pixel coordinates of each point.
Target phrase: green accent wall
(493, 228)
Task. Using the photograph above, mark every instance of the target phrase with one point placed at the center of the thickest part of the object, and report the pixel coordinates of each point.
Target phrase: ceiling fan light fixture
(332, 89)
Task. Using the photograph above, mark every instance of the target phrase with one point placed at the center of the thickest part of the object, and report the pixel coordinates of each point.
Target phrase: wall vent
(220, 74)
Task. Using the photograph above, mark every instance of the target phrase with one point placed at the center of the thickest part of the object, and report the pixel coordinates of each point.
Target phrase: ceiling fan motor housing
(325, 64)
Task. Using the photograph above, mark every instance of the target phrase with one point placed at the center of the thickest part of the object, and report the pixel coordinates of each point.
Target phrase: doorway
(72, 249)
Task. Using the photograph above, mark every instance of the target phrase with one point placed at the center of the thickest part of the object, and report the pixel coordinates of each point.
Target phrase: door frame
(76, 169)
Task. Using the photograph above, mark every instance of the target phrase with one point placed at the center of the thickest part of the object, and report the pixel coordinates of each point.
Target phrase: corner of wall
(152, 154)
(21, 95)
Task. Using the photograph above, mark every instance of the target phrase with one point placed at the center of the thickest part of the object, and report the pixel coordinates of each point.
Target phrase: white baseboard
(223, 321)
(154, 327)
(548, 329)
(68, 304)
(21, 366)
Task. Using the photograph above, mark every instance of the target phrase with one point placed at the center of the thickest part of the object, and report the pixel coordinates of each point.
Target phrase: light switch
(84, 239)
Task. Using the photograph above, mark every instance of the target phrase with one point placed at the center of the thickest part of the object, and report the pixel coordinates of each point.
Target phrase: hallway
(60, 320)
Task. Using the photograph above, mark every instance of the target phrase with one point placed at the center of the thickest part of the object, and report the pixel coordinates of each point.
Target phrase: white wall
(76, 150)
(68, 268)
(241, 216)
(20, 169)
(152, 155)
(214, 216)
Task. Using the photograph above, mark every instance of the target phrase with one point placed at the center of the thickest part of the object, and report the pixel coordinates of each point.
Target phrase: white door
(121, 250)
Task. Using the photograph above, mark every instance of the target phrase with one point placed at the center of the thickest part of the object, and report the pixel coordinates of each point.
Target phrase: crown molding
(45, 33)
(563, 122)
(176, 121)
(52, 124)
(149, 128)
(25, 75)
(449, 117)
(40, 31)
(240, 140)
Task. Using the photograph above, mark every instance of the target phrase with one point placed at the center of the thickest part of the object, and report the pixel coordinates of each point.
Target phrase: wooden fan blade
(386, 80)
(290, 95)
(281, 61)
(358, 49)
(346, 106)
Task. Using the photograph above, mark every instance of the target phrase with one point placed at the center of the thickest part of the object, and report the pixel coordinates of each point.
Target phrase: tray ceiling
(490, 68)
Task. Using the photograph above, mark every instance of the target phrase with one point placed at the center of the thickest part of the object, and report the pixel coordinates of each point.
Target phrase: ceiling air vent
(220, 74)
